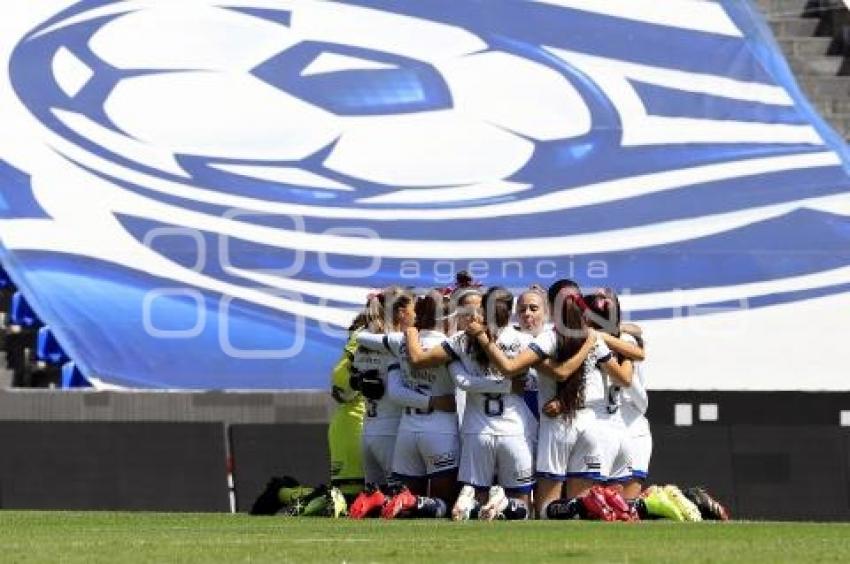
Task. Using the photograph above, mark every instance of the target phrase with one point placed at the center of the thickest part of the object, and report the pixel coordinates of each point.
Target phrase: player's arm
(621, 372)
(340, 376)
(477, 384)
(509, 367)
(632, 329)
(420, 358)
(373, 341)
(407, 397)
(560, 371)
(401, 394)
(625, 348)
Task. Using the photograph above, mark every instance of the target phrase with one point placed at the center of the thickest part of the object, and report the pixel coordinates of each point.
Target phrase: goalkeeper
(346, 427)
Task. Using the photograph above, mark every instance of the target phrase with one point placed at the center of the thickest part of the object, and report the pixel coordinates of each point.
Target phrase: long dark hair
(497, 304)
(603, 311)
(570, 334)
(555, 290)
(429, 307)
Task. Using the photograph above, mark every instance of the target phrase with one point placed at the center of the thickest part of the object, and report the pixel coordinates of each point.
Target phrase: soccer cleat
(595, 506)
(322, 502)
(709, 508)
(687, 507)
(563, 509)
(465, 504)
(402, 501)
(515, 510)
(497, 501)
(292, 495)
(622, 510)
(430, 507)
(368, 503)
(269, 501)
(337, 507)
(658, 504)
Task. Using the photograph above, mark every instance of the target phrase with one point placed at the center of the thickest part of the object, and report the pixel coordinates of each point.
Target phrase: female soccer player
(584, 445)
(532, 315)
(346, 425)
(427, 448)
(497, 424)
(369, 370)
(632, 465)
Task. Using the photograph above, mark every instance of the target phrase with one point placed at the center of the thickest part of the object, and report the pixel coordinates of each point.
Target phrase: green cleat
(687, 508)
(659, 504)
(337, 507)
(292, 495)
(324, 502)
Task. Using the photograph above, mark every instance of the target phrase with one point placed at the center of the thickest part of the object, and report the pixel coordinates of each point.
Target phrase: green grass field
(36, 536)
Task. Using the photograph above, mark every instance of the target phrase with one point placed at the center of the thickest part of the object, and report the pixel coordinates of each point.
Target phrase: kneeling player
(497, 423)
(427, 447)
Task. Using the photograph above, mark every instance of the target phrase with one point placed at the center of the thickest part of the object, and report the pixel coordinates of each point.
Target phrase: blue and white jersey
(598, 385)
(432, 382)
(382, 415)
(491, 408)
(634, 399)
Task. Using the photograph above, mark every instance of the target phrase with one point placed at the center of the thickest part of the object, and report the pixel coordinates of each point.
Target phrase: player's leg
(344, 441)
(410, 471)
(377, 467)
(584, 471)
(555, 440)
(408, 467)
(477, 468)
(584, 467)
(441, 452)
(641, 451)
(515, 474)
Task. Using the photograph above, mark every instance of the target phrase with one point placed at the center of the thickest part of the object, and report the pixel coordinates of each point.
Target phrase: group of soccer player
(468, 402)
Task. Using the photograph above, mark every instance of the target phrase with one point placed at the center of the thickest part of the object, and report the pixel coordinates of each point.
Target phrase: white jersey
(431, 382)
(382, 415)
(635, 399)
(491, 408)
(532, 378)
(598, 387)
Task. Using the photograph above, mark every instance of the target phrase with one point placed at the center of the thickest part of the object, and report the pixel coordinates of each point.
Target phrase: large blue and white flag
(200, 193)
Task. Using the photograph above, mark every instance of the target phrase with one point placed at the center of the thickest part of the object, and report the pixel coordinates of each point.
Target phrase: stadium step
(826, 86)
(823, 66)
(778, 8)
(815, 36)
(834, 105)
(793, 26)
(805, 46)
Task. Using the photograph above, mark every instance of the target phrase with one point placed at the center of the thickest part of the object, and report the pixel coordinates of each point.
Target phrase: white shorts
(585, 447)
(507, 459)
(377, 456)
(419, 454)
(599, 445)
(638, 451)
(633, 462)
(555, 442)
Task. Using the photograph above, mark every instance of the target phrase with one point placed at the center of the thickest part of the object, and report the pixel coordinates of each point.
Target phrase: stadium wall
(778, 456)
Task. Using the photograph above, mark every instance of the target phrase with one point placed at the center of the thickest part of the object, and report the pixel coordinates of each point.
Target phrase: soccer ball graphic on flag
(309, 102)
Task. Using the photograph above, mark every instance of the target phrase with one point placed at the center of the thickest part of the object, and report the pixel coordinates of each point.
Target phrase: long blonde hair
(379, 317)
